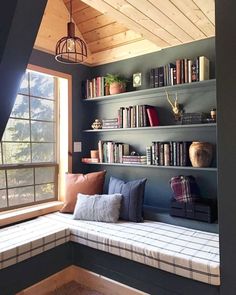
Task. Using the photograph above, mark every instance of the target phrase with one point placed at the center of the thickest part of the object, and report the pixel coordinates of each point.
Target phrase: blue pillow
(132, 200)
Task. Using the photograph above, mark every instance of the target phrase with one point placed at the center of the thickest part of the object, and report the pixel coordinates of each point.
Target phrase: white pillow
(104, 208)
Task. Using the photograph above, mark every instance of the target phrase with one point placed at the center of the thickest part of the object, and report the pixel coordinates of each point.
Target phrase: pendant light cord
(70, 10)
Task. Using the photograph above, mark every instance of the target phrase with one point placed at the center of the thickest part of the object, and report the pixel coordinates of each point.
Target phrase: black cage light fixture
(71, 49)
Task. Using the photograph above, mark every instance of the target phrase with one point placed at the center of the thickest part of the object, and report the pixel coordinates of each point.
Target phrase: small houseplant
(116, 83)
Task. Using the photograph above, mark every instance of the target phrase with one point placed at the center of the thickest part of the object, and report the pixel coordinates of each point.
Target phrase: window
(29, 151)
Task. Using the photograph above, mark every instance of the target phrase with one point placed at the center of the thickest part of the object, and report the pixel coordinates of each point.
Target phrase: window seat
(182, 251)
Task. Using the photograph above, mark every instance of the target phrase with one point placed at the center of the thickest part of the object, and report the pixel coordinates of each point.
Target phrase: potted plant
(116, 83)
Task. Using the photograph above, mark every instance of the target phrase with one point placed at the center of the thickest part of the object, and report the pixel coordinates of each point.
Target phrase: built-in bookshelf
(197, 96)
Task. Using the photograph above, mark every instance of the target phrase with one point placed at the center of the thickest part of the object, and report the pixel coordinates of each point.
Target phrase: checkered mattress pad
(186, 252)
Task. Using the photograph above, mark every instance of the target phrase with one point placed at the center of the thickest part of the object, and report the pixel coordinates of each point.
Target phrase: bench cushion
(27, 239)
(186, 252)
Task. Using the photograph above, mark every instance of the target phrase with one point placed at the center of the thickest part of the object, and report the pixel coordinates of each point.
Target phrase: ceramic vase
(200, 154)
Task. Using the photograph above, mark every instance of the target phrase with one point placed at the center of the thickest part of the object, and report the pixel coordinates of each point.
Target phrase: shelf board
(210, 169)
(207, 125)
(159, 90)
(162, 215)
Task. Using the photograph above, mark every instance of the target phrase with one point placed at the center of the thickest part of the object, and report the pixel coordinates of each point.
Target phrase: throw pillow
(104, 208)
(132, 201)
(91, 183)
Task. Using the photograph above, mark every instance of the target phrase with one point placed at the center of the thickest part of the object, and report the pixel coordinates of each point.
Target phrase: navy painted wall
(226, 98)
(6, 16)
(158, 192)
(15, 48)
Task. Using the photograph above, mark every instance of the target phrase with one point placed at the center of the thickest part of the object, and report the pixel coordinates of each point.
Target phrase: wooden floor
(73, 288)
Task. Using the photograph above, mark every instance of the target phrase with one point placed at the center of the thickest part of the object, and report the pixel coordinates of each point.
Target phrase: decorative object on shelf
(134, 153)
(213, 114)
(176, 108)
(71, 49)
(193, 118)
(97, 124)
(94, 154)
(137, 79)
(116, 83)
(200, 154)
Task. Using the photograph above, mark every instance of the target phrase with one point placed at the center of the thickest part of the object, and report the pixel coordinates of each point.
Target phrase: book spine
(177, 153)
(100, 151)
(174, 153)
(149, 155)
(204, 68)
(189, 71)
(156, 77)
(152, 78)
(182, 79)
(161, 76)
(166, 148)
(161, 153)
(185, 70)
(178, 71)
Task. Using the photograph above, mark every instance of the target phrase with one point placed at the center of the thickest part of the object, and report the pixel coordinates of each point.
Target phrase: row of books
(182, 71)
(112, 152)
(137, 116)
(173, 153)
(93, 88)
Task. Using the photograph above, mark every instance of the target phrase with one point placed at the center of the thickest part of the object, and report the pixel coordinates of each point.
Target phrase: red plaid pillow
(185, 188)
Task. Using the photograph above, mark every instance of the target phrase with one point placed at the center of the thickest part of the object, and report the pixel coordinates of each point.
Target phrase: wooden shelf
(162, 215)
(159, 91)
(210, 169)
(195, 126)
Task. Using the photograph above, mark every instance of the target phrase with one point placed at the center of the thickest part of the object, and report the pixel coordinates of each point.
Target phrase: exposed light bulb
(71, 45)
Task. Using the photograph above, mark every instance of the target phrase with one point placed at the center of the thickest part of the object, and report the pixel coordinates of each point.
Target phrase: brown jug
(200, 154)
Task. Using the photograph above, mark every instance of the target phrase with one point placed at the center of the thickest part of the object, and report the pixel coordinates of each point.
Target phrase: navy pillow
(132, 200)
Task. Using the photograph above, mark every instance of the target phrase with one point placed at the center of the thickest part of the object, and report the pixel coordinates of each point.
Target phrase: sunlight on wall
(63, 134)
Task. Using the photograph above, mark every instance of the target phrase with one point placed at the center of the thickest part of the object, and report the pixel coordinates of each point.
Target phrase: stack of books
(141, 160)
(90, 160)
(110, 123)
(182, 71)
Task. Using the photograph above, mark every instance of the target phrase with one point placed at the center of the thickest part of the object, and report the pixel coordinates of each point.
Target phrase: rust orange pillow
(89, 184)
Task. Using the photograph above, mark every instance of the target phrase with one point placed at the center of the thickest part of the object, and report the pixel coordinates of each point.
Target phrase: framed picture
(137, 79)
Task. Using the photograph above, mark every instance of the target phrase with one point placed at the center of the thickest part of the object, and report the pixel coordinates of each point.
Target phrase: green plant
(111, 78)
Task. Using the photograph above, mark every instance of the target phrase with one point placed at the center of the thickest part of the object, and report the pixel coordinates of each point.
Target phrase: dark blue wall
(15, 48)
(226, 100)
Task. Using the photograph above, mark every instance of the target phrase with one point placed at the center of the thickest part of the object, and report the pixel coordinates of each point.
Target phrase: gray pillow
(133, 195)
(104, 208)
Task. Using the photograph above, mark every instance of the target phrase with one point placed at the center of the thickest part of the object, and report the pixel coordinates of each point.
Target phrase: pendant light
(71, 49)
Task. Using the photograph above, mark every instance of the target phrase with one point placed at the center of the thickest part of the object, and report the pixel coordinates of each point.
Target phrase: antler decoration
(175, 106)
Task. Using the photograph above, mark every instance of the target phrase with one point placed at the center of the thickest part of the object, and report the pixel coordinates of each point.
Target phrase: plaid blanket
(185, 188)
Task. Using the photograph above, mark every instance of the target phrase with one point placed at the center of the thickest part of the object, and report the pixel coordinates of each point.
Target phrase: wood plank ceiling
(118, 29)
